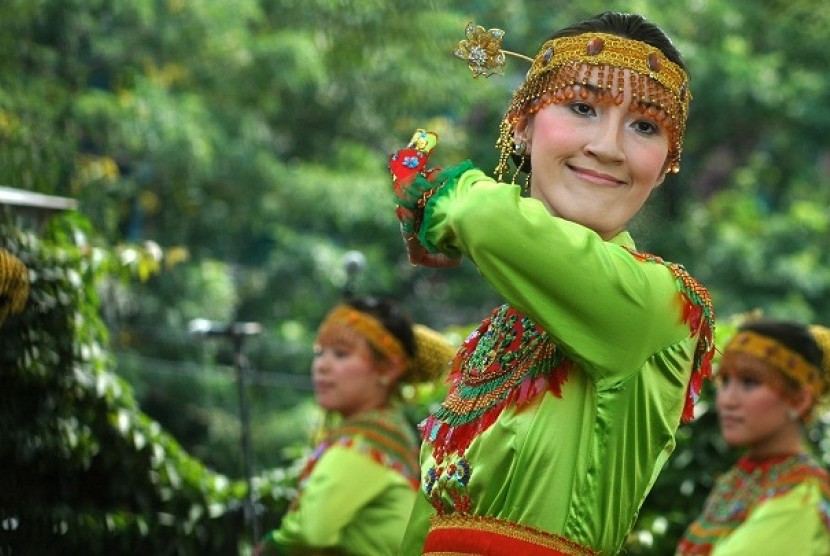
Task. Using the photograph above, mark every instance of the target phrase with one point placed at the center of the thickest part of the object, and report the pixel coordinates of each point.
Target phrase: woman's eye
(749, 382)
(646, 127)
(582, 108)
(742, 381)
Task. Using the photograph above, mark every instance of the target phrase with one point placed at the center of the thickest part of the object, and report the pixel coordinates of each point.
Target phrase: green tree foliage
(83, 470)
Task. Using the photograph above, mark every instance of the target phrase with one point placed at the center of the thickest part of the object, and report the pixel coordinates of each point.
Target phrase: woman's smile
(595, 176)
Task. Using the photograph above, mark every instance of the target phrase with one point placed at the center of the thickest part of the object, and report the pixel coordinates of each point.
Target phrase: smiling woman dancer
(564, 404)
(776, 499)
(358, 486)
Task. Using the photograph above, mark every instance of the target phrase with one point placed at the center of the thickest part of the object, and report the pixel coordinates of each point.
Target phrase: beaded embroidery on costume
(743, 488)
(381, 435)
(508, 360)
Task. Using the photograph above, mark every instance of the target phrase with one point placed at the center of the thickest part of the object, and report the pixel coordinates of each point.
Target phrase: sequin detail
(508, 360)
(445, 486)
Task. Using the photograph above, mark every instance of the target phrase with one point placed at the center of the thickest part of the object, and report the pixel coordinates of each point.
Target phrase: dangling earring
(792, 414)
(519, 156)
(520, 147)
(526, 188)
(384, 381)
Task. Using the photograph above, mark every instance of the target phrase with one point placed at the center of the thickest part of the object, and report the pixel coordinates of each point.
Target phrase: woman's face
(752, 410)
(347, 374)
(595, 163)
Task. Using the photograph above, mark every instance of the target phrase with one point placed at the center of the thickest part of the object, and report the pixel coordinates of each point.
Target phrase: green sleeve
(417, 528)
(329, 502)
(607, 310)
(787, 524)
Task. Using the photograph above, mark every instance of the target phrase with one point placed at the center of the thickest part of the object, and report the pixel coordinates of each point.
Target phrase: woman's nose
(726, 394)
(605, 142)
(319, 364)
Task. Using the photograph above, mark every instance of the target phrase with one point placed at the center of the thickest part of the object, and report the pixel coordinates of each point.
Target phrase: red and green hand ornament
(414, 185)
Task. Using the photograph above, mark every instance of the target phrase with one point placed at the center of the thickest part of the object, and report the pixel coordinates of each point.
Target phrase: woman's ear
(523, 130)
(391, 370)
(664, 171)
(802, 402)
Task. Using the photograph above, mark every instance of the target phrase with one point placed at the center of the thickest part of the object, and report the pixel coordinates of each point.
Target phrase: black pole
(245, 421)
(237, 332)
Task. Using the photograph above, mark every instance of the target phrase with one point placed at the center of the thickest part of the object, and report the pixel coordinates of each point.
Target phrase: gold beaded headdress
(432, 352)
(791, 364)
(659, 87)
(821, 334)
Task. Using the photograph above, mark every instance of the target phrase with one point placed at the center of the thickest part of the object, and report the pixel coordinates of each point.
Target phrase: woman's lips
(730, 421)
(595, 177)
(322, 386)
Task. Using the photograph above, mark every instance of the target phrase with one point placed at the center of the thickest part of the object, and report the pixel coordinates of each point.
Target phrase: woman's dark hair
(794, 336)
(632, 26)
(390, 315)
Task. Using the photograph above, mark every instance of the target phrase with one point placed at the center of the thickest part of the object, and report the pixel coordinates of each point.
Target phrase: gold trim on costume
(470, 524)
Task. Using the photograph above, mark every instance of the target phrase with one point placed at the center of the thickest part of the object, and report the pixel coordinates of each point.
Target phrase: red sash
(487, 536)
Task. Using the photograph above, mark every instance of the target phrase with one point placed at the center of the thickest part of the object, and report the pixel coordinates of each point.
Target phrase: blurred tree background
(227, 155)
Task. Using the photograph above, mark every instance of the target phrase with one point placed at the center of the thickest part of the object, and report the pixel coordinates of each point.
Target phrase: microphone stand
(353, 263)
(236, 332)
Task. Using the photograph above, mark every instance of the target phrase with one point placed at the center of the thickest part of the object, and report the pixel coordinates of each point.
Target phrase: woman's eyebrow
(641, 104)
(594, 89)
(644, 104)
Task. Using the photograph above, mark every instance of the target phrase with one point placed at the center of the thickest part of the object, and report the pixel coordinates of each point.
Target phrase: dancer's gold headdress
(432, 351)
(785, 360)
(659, 87)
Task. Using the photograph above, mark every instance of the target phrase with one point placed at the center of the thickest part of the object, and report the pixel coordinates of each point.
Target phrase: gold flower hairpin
(483, 52)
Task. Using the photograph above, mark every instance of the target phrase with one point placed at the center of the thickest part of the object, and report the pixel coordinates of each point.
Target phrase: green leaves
(81, 468)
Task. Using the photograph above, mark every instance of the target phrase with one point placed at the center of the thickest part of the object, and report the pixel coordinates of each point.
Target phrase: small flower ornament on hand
(413, 185)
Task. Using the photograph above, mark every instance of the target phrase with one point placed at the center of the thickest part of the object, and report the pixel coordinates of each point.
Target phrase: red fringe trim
(695, 316)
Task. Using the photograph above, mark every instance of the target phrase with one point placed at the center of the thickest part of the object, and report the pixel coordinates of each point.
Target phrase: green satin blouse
(577, 464)
(357, 492)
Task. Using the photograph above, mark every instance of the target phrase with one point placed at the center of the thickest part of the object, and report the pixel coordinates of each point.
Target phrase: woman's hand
(418, 255)
(406, 166)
